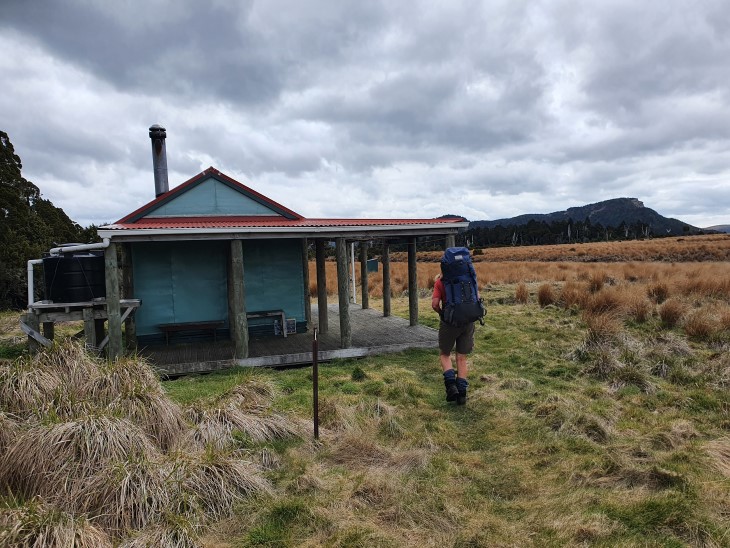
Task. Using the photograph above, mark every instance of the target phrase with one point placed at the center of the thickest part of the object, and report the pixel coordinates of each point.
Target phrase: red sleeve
(438, 290)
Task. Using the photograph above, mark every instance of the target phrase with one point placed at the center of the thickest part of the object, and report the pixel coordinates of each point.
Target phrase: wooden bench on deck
(168, 328)
(269, 314)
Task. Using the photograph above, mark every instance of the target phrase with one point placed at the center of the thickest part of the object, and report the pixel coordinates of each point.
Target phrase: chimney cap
(157, 132)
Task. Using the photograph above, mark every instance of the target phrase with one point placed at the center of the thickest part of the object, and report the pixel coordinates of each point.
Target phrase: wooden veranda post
(386, 278)
(412, 282)
(364, 274)
(114, 317)
(342, 291)
(321, 286)
(305, 275)
(237, 301)
(450, 241)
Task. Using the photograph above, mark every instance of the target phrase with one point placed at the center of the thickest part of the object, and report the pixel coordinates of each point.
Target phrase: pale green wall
(188, 281)
(212, 197)
(180, 282)
(272, 270)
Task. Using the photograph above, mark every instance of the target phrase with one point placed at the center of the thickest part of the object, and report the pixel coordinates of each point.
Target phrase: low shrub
(571, 294)
(545, 295)
(699, 324)
(671, 312)
(639, 308)
(596, 281)
(602, 327)
(521, 293)
(658, 292)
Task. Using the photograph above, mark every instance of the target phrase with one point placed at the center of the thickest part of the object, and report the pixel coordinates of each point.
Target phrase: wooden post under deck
(114, 319)
(89, 328)
(321, 286)
(364, 275)
(412, 282)
(386, 278)
(305, 275)
(450, 241)
(237, 301)
(34, 323)
(342, 291)
(48, 330)
(130, 324)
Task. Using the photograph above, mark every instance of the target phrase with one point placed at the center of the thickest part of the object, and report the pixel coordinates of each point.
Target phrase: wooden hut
(213, 257)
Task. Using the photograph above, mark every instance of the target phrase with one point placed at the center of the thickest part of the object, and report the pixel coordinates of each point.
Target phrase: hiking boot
(452, 392)
(461, 386)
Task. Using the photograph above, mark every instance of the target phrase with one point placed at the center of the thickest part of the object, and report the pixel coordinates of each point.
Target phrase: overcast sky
(375, 109)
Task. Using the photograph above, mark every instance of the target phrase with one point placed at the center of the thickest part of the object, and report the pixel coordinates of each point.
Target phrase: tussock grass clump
(258, 426)
(603, 302)
(47, 459)
(658, 292)
(596, 281)
(639, 308)
(717, 372)
(671, 312)
(699, 324)
(680, 433)
(572, 294)
(521, 293)
(253, 394)
(218, 481)
(126, 495)
(26, 389)
(173, 533)
(37, 524)
(545, 295)
(157, 415)
(123, 376)
(631, 375)
(719, 452)
(69, 361)
(602, 327)
(354, 449)
(9, 428)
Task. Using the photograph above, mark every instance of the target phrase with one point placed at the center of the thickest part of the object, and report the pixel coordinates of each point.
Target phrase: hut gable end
(211, 194)
(211, 197)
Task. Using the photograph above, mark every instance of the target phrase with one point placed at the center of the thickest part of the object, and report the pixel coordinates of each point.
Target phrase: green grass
(560, 443)
(543, 454)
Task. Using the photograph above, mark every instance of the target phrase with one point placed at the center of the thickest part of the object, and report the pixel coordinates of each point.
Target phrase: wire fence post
(315, 383)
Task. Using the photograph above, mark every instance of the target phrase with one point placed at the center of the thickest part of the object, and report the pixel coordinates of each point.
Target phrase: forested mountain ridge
(29, 226)
(618, 218)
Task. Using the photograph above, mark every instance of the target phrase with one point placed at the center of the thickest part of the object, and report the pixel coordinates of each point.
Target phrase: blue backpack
(462, 304)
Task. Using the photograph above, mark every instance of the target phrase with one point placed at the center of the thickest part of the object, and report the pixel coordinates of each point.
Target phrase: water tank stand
(92, 313)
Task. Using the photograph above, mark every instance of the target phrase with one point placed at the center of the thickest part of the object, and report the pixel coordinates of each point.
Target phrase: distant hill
(719, 228)
(609, 213)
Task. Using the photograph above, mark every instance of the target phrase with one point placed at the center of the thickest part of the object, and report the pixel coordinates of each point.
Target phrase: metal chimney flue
(159, 159)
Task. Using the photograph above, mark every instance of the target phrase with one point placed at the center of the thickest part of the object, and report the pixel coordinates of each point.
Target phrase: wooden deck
(372, 334)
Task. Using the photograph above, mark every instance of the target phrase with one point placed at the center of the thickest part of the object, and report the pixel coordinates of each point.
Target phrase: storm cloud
(354, 109)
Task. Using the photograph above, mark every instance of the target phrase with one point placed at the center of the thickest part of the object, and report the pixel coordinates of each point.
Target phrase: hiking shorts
(462, 337)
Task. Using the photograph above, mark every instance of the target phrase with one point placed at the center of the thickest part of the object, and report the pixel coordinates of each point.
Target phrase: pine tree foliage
(29, 226)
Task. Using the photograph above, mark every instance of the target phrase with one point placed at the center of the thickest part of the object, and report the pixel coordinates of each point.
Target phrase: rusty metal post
(315, 383)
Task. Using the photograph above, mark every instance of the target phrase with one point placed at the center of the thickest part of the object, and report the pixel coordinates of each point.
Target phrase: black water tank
(74, 277)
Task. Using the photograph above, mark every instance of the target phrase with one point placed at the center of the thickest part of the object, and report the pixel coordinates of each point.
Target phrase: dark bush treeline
(29, 226)
(556, 232)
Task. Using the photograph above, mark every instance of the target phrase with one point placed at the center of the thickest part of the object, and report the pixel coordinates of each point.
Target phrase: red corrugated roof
(143, 218)
(267, 222)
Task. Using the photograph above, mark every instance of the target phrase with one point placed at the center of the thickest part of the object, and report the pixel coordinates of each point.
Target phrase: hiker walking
(456, 301)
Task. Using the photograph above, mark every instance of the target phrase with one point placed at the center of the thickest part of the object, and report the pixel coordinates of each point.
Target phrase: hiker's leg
(445, 362)
(464, 345)
(462, 366)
